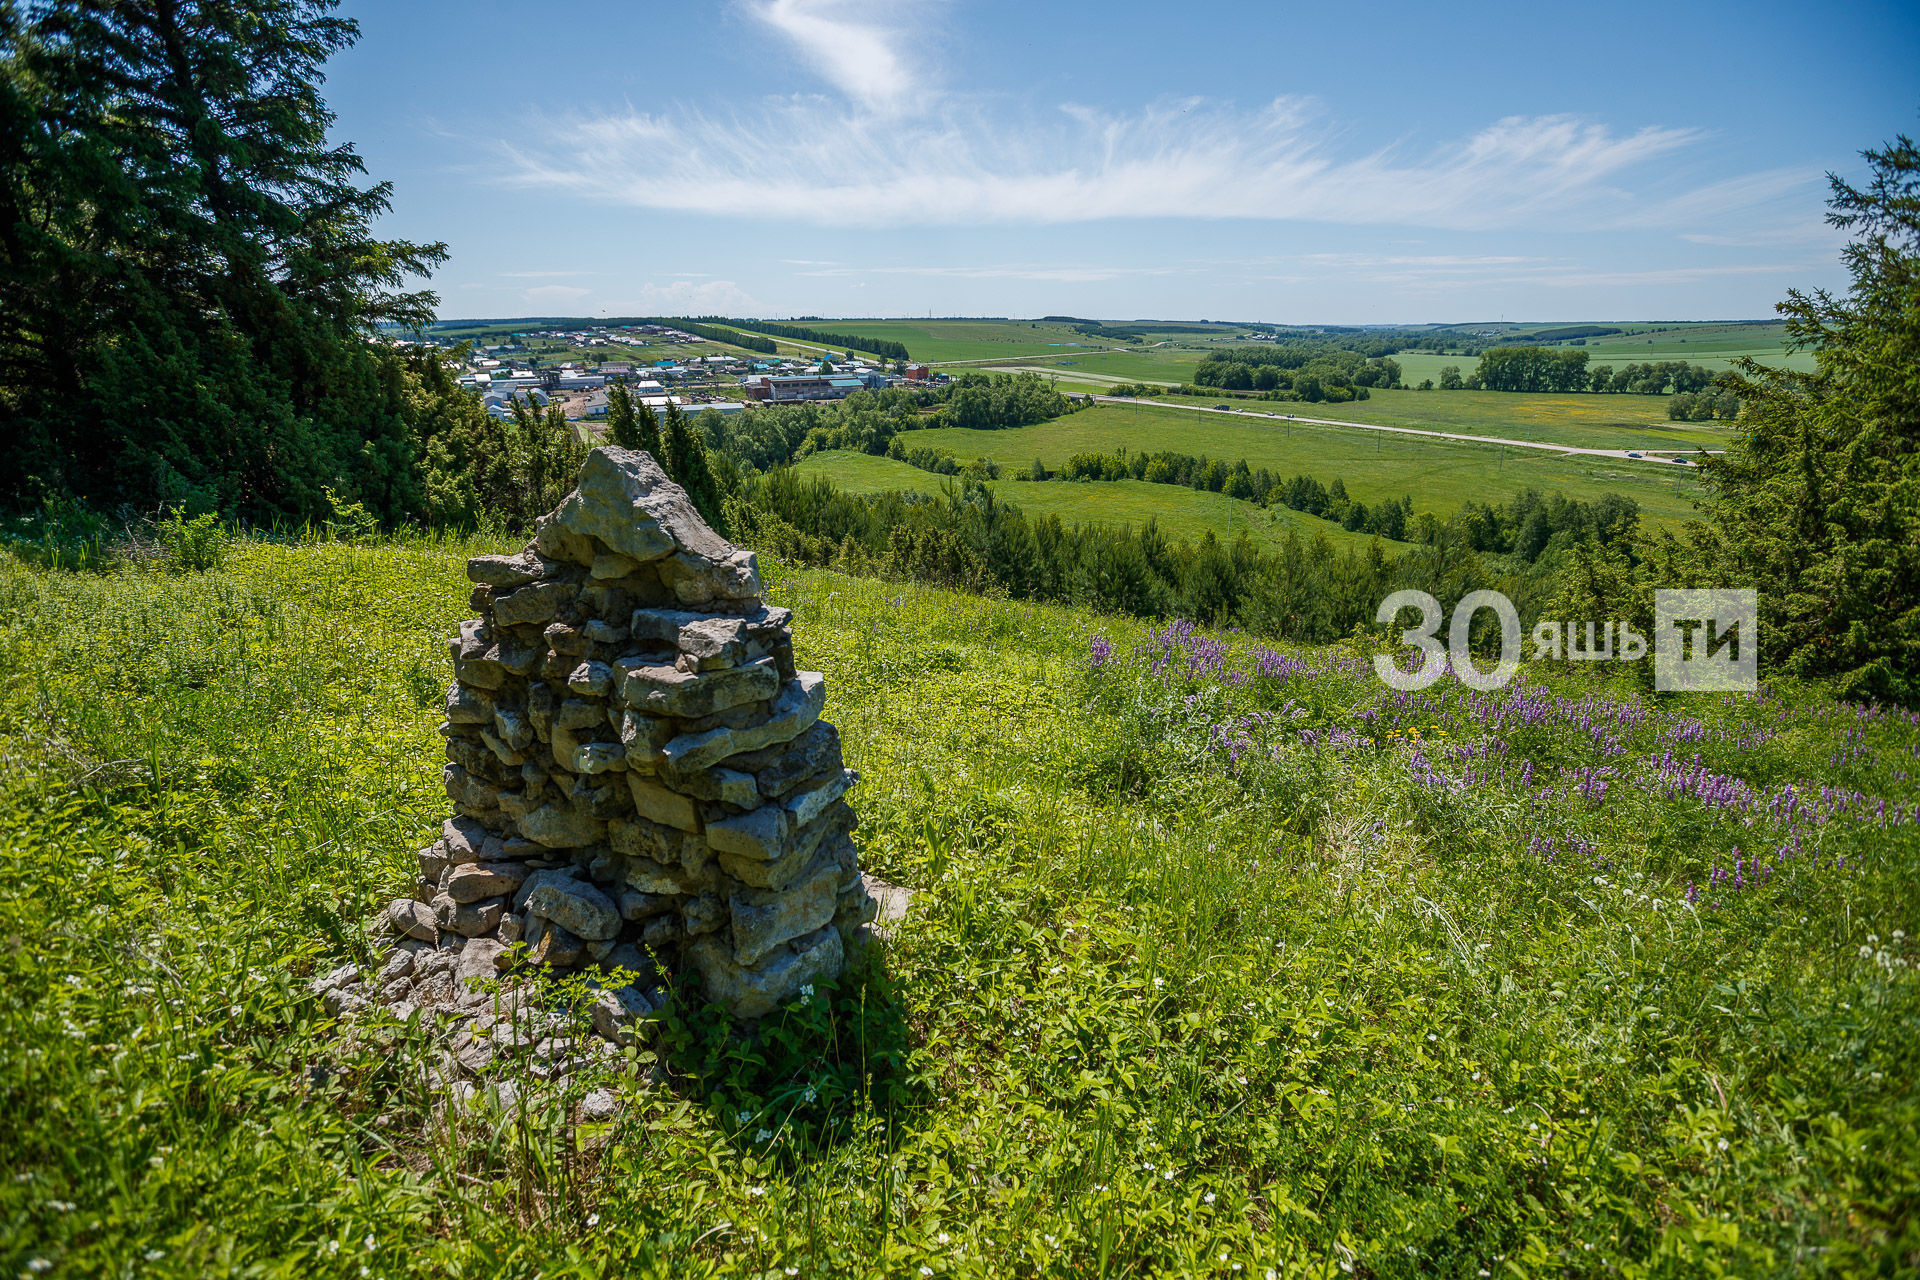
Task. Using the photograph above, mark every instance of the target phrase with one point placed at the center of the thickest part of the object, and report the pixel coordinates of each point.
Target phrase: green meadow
(1222, 962)
(942, 340)
(1715, 346)
(1181, 513)
(1580, 421)
(1440, 475)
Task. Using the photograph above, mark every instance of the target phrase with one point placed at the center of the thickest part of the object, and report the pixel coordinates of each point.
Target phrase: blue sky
(1329, 163)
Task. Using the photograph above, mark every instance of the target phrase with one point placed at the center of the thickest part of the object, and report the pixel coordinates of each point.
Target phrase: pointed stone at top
(626, 501)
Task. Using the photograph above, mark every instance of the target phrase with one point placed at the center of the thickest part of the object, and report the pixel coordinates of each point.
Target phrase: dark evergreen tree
(188, 275)
(622, 428)
(1816, 503)
(685, 461)
(646, 425)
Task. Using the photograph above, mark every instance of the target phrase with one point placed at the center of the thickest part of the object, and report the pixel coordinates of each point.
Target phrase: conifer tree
(1816, 503)
(686, 463)
(622, 430)
(188, 274)
(646, 433)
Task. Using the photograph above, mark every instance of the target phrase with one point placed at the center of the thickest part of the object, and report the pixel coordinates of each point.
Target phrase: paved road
(1407, 431)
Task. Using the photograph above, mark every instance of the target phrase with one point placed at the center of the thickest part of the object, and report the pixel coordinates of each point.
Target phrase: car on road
(1227, 407)
(1635, 453)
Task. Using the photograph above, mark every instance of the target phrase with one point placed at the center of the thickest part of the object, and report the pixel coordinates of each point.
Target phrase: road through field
(1414, 431)
(1069, 374)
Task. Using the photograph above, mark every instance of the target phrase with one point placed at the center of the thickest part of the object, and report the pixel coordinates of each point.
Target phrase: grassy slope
(1145, 1016)
(1182, 513)
(1439, 475)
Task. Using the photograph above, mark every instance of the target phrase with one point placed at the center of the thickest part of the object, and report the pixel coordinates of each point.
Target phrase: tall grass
(1223, 961)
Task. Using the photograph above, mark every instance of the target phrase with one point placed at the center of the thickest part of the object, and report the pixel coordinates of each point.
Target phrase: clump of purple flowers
(1616, 757)
(1178, 645)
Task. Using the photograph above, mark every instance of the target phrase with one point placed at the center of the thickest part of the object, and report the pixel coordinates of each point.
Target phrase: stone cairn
(641, 781)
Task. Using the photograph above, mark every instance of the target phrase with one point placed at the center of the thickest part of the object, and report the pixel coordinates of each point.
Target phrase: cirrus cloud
(809, 160)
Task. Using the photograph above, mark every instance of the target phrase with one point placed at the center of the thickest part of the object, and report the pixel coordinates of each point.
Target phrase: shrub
(193, 546)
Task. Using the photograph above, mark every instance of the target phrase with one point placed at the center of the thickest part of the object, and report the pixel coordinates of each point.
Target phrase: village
(699, 376)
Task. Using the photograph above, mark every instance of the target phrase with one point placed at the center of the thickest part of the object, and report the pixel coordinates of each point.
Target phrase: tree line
(713, 333)
(868, 421)
(1704, 406)
(941, 462)
(885, 348)
(1298, 371)
(1524, 526)
(1537, 369)
(971, 540)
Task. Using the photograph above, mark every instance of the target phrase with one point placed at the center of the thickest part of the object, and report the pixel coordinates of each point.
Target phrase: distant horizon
(1278, 324)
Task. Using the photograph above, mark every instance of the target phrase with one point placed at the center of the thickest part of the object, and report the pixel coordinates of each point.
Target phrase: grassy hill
(1221, 957)
(1182, 513)
(1439, 474)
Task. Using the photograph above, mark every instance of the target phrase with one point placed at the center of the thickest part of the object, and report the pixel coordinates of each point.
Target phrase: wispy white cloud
(1802, 231)
(815, 161)
(890, 147)
(542, 275)
(1770, 194)
(856, 47)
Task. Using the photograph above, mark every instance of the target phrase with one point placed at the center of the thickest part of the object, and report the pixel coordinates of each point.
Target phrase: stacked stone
(641, 779)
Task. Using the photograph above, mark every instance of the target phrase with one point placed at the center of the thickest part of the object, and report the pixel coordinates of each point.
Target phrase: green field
(943, 341)
(1170, 363)
(1216, 965)
(940, 340)
(1580, 421)
(1440, 475)
(1714, 346)
(1182, 513)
